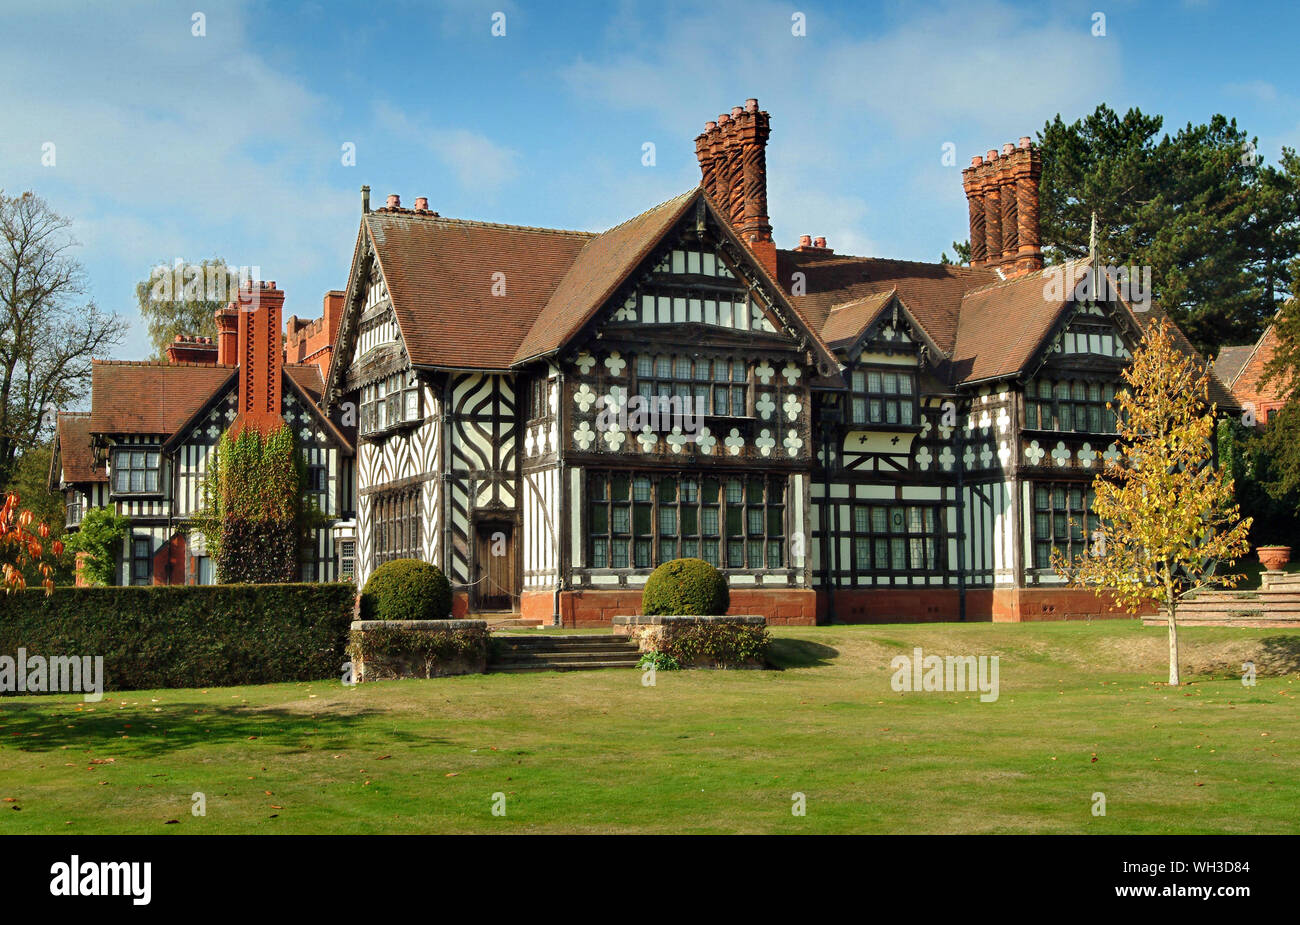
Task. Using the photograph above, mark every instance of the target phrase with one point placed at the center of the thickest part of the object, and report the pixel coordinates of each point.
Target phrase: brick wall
(1248, 387)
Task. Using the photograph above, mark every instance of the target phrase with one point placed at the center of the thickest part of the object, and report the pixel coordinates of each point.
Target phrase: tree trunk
(1173, 644)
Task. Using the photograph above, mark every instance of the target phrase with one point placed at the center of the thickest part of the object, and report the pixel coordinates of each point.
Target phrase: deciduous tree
(47, 334)
(1168, 522)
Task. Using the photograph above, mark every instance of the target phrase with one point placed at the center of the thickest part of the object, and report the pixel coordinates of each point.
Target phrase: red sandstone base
(876, 605)
(782, 607)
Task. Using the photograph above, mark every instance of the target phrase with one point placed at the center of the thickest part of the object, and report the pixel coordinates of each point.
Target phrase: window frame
(133, 576)
(1058, 520)
(651, 385)
(667, 515)
(863, 397)
(878, 544)
(397, 393)
(1057, 406)
(398, 525)
(131, 449)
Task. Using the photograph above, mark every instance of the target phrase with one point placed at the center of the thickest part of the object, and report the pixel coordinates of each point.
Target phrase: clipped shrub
(187, 636)
(686, 587)
(406, 589)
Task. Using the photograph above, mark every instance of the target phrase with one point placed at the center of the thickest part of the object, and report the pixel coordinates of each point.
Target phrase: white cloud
(480, 165)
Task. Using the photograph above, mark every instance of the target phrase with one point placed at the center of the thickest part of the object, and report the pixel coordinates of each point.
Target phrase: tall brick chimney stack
(227, 319)
(261, 357)
(733, 167)
(1002, 197)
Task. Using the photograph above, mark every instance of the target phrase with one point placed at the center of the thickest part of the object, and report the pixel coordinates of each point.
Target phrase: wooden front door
(494, 581)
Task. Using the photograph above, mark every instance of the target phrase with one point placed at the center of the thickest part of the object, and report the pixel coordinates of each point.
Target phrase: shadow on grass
(786, 653)
(42, 727)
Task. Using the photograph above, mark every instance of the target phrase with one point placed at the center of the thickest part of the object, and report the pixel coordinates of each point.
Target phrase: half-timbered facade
(548, 415)
(147, 444)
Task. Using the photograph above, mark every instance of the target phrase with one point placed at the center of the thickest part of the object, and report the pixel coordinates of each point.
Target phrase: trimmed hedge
(685, 587)
(187, 636)
(406, 589)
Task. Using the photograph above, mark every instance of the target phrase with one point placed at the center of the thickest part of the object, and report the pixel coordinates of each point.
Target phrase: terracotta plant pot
(1274, 557)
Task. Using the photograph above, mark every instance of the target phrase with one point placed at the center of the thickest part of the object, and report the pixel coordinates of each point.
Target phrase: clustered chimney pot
(733, 166)
(1002, 195)
(805, 240)
(819, 242)
(421, 204)
(394, 201)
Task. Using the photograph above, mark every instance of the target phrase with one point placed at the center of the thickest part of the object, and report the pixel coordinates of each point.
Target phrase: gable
(695, 281)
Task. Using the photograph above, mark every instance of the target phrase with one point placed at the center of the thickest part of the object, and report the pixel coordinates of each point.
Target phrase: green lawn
(1081, 711)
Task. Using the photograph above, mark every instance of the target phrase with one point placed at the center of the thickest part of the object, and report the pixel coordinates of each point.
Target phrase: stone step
(1242, 603)
(514, 623)
(562, 642)
(550, 665)
(575, 655)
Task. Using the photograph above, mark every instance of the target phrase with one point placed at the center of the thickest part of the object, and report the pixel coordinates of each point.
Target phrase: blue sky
(169, 145)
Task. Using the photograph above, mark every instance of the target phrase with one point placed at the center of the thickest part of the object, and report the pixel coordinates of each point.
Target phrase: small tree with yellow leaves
(1168, 520)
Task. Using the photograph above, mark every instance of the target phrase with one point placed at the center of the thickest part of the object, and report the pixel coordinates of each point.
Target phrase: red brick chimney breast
(261, 354)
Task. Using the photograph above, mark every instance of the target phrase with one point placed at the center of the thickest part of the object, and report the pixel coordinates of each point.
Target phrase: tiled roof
(1002, 325)
(75, 455)
(1230, 361)
(150, 397)
(600, 268)
(441, 272)
(846, 323)
(932, 292)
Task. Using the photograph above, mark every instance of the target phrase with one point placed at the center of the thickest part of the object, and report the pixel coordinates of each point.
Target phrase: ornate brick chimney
(261, 357)
(733, 171)
(1002, 197)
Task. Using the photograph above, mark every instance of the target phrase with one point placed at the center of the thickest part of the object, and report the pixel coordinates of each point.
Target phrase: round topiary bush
(685, 587)
(406, 589)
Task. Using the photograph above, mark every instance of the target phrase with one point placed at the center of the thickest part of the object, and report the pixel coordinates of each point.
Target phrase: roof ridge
(646, 212)
(883, 293)
(162, 364)
(476, 223)
(965, 270)
(1030, 275)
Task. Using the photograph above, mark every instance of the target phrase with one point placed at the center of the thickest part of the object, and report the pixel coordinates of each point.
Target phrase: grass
(1080, 712)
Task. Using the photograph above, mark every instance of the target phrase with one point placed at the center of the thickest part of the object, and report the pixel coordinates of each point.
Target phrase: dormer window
(136, 471)
(883, 396)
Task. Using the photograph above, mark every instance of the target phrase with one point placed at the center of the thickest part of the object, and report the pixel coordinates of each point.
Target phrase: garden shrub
(686, 587)
(187, 636)
(721, 644)
(406, 589)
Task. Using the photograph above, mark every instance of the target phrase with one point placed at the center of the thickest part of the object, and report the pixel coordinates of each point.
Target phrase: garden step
(550, 665)
(562, 653)
(562, 642)
(603, 652)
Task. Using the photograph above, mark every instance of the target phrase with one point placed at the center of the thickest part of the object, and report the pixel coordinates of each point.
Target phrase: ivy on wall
(254, 518)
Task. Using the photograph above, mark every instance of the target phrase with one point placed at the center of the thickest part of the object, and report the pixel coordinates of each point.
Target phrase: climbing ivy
(254, 518)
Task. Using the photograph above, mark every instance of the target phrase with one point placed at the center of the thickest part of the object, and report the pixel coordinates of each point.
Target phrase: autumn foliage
(23, 549)
(1170, 524)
